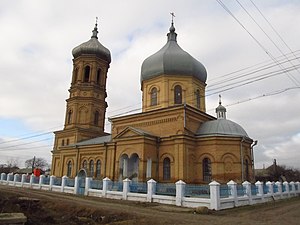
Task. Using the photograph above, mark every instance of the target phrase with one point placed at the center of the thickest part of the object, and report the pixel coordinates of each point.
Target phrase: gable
(133, 132)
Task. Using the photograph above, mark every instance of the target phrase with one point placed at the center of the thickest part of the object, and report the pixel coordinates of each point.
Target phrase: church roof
(172, 60)
(95, 141)
(94, 47)
(221, 127)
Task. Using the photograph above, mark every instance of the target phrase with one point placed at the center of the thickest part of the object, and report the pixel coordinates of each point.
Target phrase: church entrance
(81, 181)
(129, 167)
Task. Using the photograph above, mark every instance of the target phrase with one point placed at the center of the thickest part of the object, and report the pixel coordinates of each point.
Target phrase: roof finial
(220, 101)
(95, 31)
(172, 28)
(173, 15)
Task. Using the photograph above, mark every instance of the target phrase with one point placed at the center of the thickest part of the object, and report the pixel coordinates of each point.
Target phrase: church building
(172, 139)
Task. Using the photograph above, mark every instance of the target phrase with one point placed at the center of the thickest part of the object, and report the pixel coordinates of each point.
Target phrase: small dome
(221, 127)
(92, 47)
(172, 60)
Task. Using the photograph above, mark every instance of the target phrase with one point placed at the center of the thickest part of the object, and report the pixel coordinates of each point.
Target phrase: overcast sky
(37, 37)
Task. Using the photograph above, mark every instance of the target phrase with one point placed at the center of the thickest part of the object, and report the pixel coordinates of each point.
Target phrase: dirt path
(57, 208)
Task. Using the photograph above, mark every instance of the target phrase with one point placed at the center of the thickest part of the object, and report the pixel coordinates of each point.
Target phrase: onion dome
(92, 47)
(172, 60)
(221, 126)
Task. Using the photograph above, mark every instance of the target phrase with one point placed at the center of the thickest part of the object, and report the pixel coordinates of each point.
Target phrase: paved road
(127, 212)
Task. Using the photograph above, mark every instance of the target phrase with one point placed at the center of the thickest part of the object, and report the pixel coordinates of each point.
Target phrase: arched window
(247, 169)
(198, 99)
(69, 120)
(63, 142)
(84, 164)
(68, 141)
(69, 170)
(177, 94)
(98, 169)
(153, 96)
(92, 168)
(206, 163)
(75, 75)
(96, 119)
(98, 76)
(166, 169)
(87, 74)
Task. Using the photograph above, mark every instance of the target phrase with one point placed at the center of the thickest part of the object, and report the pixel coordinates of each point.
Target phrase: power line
(277, 47)
(280, 37)
(260, 45)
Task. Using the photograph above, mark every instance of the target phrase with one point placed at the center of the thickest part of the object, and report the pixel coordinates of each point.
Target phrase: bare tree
(38, 163)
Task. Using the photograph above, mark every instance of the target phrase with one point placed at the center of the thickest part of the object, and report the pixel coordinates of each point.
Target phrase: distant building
(172, 138)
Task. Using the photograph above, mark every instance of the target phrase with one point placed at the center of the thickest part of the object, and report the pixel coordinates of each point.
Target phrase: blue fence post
(247, 187)
(233, 191)
(31, 180)
(293, 191)
(180, 190)
(63, 183)
(23, 179)
(76, 186)
(3, 175)
(260, 190)
(151, 186)
(16, 177)
(287, 188)
(279, 188)
(270, 187)
(87, 185)
(41, 181)
(51, 182)
(298, 186)
(106, 180)
(214, 188)
(126, 183)
(9, 176)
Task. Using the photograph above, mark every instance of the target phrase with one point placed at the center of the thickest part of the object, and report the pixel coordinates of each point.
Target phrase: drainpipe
(242, 158)
(114, 161)
(77, 158)
(184, 119)
(252, 157)
(105, 159)
(157, 158)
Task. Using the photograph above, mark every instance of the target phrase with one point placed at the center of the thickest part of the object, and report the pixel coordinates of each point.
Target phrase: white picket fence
(217, 196)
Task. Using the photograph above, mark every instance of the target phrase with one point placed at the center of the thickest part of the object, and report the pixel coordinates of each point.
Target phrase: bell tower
(86, 105)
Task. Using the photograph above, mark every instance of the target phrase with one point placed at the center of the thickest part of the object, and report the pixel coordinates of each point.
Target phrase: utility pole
(33, 162)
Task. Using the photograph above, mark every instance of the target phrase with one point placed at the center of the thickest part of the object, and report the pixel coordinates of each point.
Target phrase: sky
(250, 53)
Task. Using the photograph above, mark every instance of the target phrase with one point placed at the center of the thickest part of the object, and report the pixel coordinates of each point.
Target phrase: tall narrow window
(247, 169)
(166, 169)
(96, 119)
(178, 94)
(198, 99)
(98, 76)
(92, 168)
(84, 164)
(69, 120)
(154, 96)
(87, 74)
(206, 163)
(75, 78)
(63, 142)
(98, 169)
(69, 170)
(68, 141)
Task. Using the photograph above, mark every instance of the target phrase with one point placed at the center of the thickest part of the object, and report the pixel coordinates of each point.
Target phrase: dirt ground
(43, 207)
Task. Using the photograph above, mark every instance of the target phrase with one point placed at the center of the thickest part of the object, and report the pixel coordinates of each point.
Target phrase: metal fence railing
(200, 191)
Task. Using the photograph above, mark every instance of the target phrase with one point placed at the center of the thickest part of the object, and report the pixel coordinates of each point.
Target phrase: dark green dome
(172, 60)
(92, 47)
